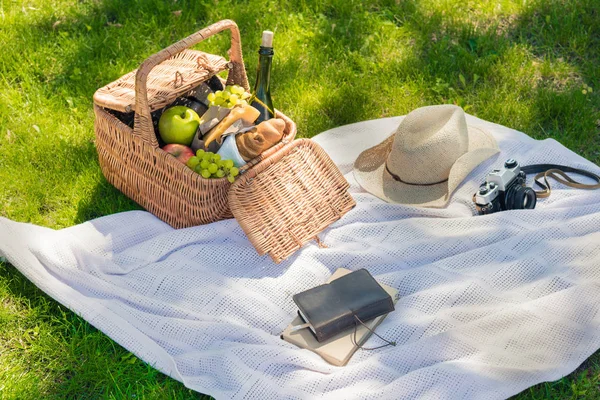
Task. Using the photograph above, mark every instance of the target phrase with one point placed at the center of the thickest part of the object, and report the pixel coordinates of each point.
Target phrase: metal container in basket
(131, 159)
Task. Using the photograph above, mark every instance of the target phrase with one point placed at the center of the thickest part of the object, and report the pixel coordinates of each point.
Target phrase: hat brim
(370, 172)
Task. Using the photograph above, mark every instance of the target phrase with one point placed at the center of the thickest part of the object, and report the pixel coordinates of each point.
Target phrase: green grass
(524, 64)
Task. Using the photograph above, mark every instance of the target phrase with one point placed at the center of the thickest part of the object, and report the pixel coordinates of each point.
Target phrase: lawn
(530, 65)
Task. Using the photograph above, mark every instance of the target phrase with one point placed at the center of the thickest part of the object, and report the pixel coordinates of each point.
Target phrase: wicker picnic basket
(131, 159)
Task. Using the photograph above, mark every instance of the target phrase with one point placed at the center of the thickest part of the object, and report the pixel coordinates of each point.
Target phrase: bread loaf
(266, 134)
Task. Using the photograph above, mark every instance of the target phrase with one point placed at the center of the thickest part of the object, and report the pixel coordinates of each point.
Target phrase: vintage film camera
(504, 189)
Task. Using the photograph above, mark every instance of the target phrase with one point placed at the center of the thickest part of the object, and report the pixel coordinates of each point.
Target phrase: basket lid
(168, 80)
(289, 198)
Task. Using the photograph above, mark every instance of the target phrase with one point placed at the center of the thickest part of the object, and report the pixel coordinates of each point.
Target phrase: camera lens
(515, 198)
(530, 199)
(519, 198)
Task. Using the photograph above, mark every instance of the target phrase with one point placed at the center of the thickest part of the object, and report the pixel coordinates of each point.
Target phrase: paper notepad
(339, 349)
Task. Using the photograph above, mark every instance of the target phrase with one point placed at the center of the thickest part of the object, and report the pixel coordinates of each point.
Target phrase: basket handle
(143, 120)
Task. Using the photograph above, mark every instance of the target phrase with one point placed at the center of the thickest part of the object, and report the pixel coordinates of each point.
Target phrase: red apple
(180, 152)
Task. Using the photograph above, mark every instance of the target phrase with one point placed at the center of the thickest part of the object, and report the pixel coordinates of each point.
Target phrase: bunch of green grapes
(210, 165)
(230, 97)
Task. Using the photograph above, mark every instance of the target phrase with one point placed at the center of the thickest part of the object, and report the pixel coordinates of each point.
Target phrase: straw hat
(423, 162)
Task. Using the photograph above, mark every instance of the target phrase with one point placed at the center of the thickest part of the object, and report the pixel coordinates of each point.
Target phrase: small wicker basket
(131, 159)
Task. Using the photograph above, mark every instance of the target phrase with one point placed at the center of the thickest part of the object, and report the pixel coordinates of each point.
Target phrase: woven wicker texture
(131, 160)
(289, 198)
(180, 73)
(157, 181)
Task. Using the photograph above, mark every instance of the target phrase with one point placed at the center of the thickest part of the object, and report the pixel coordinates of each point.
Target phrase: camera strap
(559, 174)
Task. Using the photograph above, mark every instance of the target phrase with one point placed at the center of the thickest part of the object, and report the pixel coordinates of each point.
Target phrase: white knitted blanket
(489, 305)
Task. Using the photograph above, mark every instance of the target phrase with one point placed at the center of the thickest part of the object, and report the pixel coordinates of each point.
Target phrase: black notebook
(339, 349)
(334, 307)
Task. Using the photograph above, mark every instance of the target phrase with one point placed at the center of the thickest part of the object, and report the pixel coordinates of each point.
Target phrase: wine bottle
(262, 87)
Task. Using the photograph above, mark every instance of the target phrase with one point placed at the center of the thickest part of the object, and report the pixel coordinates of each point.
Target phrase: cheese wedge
(246, 113)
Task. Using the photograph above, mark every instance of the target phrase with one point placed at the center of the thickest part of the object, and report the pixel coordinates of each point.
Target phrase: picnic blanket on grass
(488, 305)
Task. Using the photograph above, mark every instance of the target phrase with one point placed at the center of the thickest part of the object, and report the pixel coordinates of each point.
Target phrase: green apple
(178, 125)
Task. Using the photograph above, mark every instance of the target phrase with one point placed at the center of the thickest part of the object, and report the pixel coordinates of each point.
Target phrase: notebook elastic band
(354, 342)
